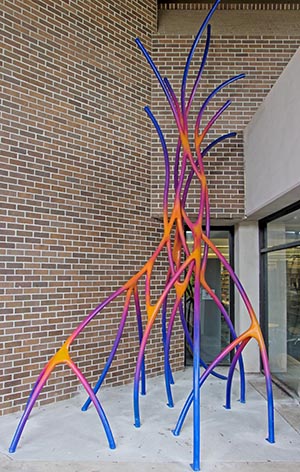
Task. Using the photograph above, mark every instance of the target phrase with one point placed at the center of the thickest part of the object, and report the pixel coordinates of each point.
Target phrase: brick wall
(76, 202)
(75, 186)
(261, 56)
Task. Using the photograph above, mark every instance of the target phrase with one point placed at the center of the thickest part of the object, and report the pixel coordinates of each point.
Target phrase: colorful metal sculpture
(183, 264)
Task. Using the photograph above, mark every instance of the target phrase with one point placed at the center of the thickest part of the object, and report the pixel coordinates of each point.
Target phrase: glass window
(285, 229)
(284, 315)
(281, 257)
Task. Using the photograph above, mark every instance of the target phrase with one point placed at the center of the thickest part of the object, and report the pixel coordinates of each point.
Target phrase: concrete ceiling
(229, 1)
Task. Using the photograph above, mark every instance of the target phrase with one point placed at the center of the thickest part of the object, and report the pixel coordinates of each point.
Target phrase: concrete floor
(61, 438)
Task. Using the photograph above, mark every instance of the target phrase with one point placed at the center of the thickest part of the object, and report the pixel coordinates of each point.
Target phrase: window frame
(264, 250)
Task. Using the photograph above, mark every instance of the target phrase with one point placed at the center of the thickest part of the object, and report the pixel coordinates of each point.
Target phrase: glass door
(281, 255)
(215, 334)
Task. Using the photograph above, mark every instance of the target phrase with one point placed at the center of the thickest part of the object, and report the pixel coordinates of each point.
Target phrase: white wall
(247, 269)
(272, 147)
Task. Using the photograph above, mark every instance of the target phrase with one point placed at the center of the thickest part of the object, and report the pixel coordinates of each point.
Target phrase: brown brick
(79, 157)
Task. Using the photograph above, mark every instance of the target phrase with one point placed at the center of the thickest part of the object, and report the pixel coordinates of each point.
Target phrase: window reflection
(283, 299)
(215, 334)
(285, 229)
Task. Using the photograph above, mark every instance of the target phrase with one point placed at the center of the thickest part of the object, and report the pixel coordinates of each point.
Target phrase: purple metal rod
(169, 376)
(175, 308)
(40, 384)
(167, 162)
(151, 318)
(196, 362)
(140, 331)
(256, 333)
(176, 165)
(30, 403)
(211, 95)
(113, 351)
(190, 342)
(236, 357)
(194, 89)
(233, 335)
(201, 68)
(96, 402)
(195, 263)
(160, 80)
(253, 331)
(202, 379)
(190, 56)
(168, 379)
